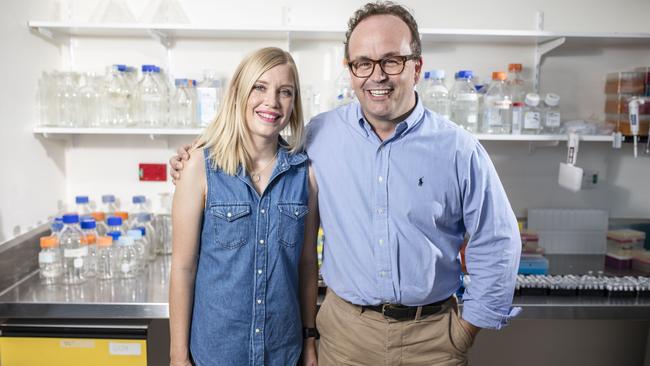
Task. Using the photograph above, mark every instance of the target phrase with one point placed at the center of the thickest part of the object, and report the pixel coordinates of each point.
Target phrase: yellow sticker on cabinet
(124, 349)
(77, 343)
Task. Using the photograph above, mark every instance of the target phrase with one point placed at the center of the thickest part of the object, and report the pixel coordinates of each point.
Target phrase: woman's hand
(309, 355)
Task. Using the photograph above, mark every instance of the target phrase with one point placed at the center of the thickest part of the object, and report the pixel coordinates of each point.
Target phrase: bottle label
(553, 119)
(75, 253)
(502, 104)
(467, 97)
(207, 104)
(46, 257)
(78, 262)
(531, 120)
(516, 121)
(472, 118)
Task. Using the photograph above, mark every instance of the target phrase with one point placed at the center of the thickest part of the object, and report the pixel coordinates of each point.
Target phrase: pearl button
(259, 301)
(259, 271)
(381, 179)
(257, 330)
(262, 241)
(381, 241)
(229, 214)
(262, 210)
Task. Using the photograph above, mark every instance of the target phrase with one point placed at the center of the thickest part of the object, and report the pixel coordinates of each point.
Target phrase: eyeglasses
(391, 65)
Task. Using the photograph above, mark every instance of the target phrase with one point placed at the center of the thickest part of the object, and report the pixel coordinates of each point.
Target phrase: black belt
(403, 312)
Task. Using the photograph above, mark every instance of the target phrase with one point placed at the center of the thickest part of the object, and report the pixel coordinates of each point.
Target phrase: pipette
(633, 107)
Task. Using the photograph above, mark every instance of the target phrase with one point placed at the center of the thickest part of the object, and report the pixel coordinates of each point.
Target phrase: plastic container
(100, 221)
(83, 206)
(105, 260)
(49, 261)
(516, 83)
(533, 264)
(114, 225)
(615, 261)
(73, 249)
(435, 95)
(465, 102)
(126, 261)
(641, 261)
(497, 113)
(624, 242)
(149, 99)
(88, 227)
(208, 93)
(551, 117)
(532, 115)
(141, 246)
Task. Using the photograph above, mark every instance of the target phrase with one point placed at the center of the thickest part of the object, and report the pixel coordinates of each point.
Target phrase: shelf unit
(71, 131)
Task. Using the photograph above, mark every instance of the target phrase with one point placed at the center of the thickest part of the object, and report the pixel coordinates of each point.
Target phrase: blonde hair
(227, 137)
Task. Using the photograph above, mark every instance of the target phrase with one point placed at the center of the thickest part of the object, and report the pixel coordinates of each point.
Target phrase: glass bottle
(497, 106)
(532, 115)
(126, 262)
(74, 252)
(49, 260)
(105, 260)
(551, 114)
(464, 102)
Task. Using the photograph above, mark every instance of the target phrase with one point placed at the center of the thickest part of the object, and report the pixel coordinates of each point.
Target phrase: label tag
(77, 343)
(124, 349)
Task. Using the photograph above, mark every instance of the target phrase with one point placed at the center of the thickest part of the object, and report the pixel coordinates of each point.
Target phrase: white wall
(33, 173)
(48, 170)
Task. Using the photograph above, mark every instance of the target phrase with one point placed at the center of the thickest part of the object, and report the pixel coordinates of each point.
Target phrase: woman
(241, 278)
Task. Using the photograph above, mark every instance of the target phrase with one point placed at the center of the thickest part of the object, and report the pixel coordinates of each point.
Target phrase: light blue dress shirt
(395, 213)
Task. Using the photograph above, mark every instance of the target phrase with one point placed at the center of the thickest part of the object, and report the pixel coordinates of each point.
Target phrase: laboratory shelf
(65, 131)
(533, 138)
(84, 29)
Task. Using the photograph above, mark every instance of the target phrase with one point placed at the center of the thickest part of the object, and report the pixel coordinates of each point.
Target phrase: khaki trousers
(352, 336)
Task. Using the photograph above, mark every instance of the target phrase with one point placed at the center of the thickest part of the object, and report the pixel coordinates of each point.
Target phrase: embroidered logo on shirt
(420, 181)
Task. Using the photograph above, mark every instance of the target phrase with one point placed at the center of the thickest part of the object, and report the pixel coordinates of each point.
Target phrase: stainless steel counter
(146, 297)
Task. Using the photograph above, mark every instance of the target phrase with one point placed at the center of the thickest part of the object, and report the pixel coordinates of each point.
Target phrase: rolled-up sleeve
(494, 248)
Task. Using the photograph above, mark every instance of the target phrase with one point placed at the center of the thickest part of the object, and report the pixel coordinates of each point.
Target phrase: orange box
(628, 82)
(622, 123)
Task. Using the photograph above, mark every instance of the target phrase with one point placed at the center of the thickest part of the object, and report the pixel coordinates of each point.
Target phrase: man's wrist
(310, 333)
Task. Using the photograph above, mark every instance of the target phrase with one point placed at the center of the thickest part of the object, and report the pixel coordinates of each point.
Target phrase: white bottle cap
(552, 99)
(532, 99)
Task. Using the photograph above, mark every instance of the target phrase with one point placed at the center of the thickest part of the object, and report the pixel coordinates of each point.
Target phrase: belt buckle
(383, 309)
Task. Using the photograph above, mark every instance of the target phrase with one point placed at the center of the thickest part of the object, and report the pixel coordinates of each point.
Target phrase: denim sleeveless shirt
(246, 299)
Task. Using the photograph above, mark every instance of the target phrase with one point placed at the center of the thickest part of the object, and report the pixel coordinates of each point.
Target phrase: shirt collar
(406, 125)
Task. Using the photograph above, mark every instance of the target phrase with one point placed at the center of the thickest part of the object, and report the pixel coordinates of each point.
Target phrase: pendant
(255, 178)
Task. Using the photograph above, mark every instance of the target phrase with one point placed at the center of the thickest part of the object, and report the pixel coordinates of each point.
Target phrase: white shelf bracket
(161, 37)
(540, 51)
(533, 145)
(289, 41)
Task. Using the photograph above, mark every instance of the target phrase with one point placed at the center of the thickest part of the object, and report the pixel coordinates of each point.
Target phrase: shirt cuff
(482, 317)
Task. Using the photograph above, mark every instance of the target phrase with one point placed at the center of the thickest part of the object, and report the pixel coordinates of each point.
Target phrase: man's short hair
(385, 8)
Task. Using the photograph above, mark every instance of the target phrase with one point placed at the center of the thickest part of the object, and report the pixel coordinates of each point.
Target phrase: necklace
(255, 176)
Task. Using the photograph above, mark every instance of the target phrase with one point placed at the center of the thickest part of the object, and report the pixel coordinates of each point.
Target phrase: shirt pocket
(232, 223)
(291, 225)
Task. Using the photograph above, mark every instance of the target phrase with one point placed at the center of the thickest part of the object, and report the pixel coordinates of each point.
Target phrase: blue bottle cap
(427, 74)
(88, 223)
(57, 226)
(121, 67)
(108, 198)
(125, 240)
(144, 217)
(135, 234)
(438, 74)
(70, 218)
(139, 199)
(81, 199)
(58, 219)
(143, 230)
(465, 74)
(114, 221)
(114, 234)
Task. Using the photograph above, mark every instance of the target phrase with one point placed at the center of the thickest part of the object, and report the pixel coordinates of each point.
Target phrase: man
(398, 188)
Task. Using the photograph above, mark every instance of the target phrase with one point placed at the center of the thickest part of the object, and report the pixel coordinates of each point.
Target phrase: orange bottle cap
(498, 75)
(98, 216)
(49, 242)
(122, 214)
(104, 241)
(90, 239)
(514, 67)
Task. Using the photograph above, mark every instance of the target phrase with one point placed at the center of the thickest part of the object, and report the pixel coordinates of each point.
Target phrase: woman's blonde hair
(227, 137)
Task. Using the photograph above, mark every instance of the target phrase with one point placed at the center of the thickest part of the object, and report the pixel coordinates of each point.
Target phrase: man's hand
(176, 162)
(469, 327)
